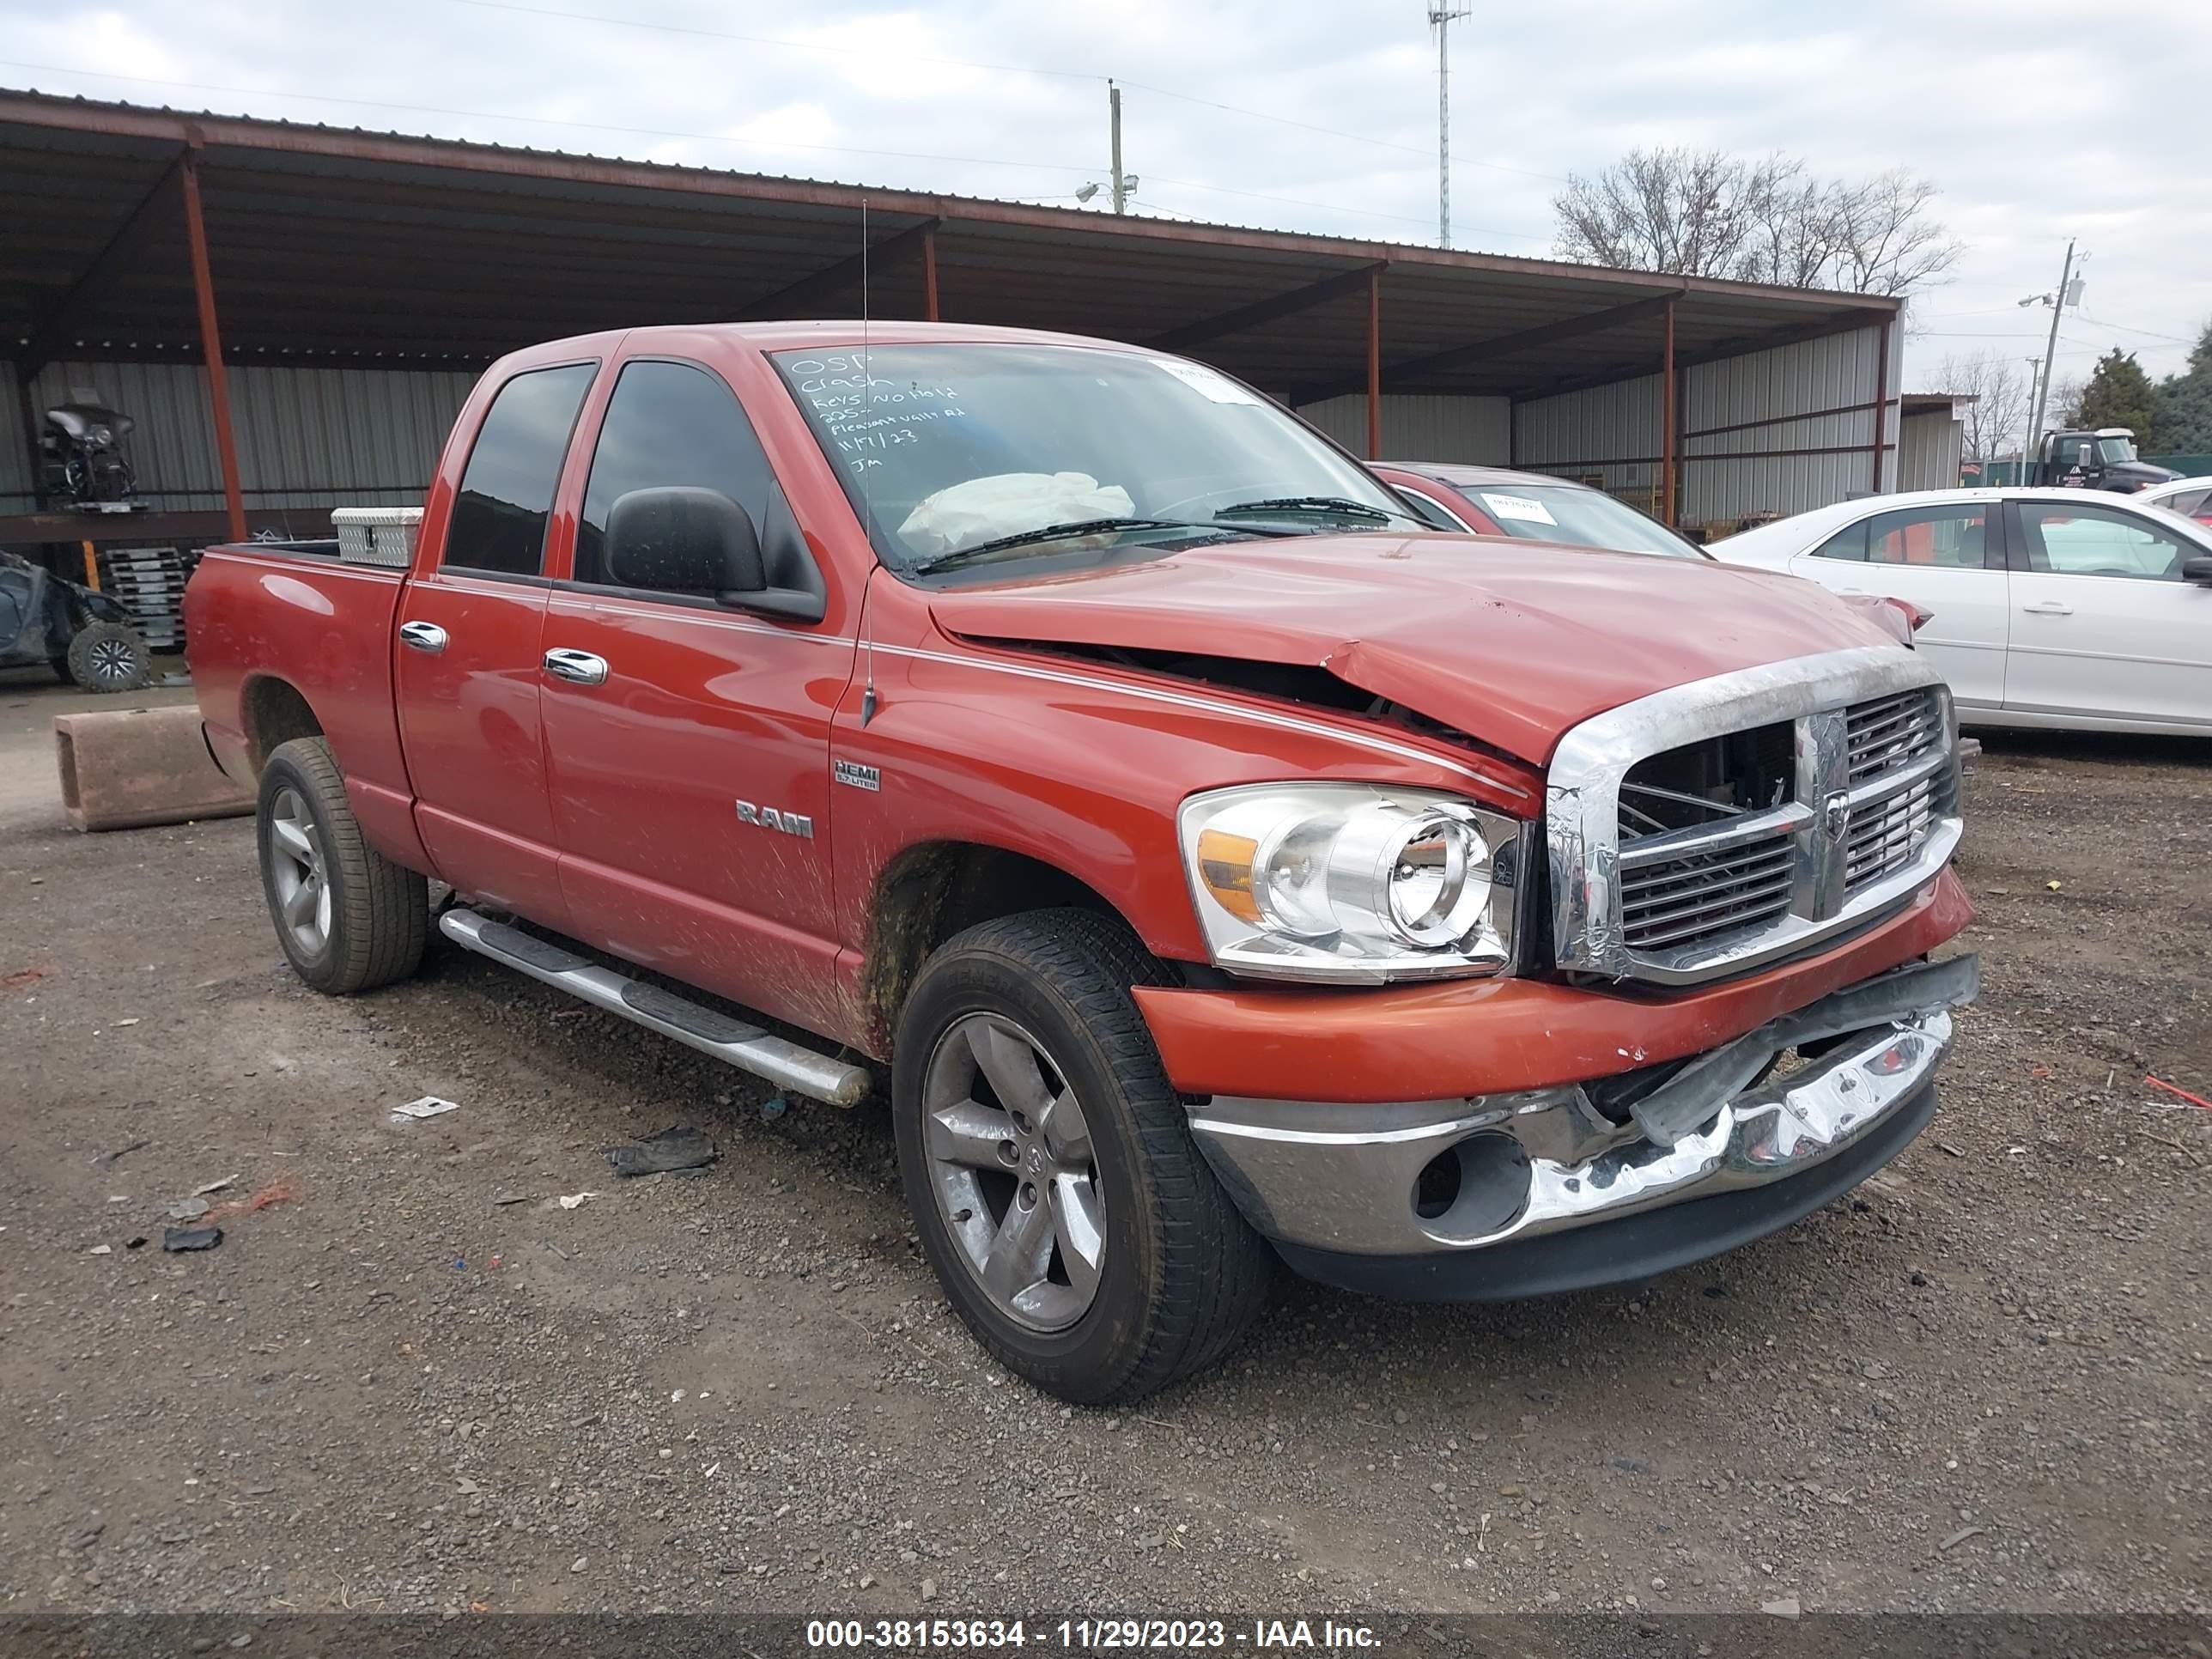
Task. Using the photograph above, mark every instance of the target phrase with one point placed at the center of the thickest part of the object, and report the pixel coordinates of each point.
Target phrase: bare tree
(2062, 407)
(1887, 242)
(1689, 212)
(1705, 213)
(1998, 387)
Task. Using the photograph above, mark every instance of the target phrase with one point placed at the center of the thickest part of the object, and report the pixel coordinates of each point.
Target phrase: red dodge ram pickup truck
(1207, 862)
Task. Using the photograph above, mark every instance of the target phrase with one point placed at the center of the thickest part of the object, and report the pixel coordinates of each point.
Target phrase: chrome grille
(1716, 826)
(1884, 837)
(1685, 900)
(1886, 731)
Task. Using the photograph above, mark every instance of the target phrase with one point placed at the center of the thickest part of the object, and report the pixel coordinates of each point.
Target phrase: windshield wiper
(1341, 505)
(1050, 532)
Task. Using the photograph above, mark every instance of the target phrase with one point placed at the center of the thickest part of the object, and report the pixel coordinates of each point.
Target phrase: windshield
(2110, 450)
(1579, 517)
(981, 449)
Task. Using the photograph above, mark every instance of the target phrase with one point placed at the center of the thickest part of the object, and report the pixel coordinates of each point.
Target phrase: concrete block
(141, 766)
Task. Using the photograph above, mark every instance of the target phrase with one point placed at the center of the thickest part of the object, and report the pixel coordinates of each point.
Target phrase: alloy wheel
(112, 663)
(1012, 1166)
(296, 867)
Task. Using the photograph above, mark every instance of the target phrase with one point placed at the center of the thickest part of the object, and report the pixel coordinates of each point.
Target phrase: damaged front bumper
(1563, 1187)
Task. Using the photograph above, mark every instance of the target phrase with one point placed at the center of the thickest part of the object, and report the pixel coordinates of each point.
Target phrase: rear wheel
(109, 657)
(1050, 1167)
(347, 917)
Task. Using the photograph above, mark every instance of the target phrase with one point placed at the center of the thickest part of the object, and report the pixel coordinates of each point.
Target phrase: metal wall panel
(306, 437)
(1930, 449)
(15, 483)
(1607, 432)
(1613, 432)
(1423, 426)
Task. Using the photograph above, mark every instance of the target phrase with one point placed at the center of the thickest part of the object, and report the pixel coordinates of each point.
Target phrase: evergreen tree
(2181, 420)
(2119, 393)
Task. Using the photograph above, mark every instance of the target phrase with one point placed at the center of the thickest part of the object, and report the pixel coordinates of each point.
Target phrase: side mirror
(683, 540)
(2198, 570)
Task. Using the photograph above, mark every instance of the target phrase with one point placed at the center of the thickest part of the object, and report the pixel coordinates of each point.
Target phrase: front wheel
(1050, 1167)
(349, 919)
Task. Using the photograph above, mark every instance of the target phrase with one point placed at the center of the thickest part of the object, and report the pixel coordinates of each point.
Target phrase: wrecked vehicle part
(1460, 1177)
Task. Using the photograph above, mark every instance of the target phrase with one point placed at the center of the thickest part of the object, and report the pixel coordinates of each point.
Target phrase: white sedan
(2190, 497)
(2063, 608)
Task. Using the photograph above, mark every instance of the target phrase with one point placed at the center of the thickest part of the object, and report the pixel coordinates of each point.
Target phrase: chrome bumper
(1350, 1178)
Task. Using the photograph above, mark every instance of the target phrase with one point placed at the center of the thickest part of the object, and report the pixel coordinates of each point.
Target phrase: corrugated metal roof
(327, 242)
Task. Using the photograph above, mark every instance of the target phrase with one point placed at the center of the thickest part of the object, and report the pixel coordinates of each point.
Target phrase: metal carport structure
(142, 238)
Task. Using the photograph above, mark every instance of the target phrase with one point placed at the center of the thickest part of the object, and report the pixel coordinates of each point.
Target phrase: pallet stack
(149, 583)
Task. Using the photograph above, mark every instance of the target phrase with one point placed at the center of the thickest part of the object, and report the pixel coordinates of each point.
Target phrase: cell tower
(1441, 18)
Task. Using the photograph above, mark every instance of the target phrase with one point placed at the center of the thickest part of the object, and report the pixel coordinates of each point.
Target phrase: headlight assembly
(1350, 882)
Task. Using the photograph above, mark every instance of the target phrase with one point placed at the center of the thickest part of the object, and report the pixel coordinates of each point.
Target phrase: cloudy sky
(2039, 119)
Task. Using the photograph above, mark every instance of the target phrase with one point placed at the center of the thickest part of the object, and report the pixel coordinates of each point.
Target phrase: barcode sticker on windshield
(1517, 506)
(1219, 387)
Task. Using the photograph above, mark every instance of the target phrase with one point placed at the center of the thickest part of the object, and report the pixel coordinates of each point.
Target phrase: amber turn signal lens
(1225, 865)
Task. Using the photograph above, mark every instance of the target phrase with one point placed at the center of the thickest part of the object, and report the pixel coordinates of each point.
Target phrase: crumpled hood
(1512, 642)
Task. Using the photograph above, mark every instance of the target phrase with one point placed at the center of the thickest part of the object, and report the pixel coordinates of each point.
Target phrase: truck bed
(302, 619)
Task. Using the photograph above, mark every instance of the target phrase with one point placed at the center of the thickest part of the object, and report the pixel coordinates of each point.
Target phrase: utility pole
(1441, 19)
(2057, 301)
(1121, 184)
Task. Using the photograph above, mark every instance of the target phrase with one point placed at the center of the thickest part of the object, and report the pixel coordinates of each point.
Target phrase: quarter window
(506, 497)
(669, 423)
(1430, 511)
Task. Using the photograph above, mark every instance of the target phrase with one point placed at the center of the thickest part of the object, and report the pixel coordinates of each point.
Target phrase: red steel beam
(1375, 364)
(1880, 403)
(929, 274)
(1667, 438)
(218, 379)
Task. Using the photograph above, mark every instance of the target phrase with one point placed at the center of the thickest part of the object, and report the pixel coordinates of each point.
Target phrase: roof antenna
(867, 512)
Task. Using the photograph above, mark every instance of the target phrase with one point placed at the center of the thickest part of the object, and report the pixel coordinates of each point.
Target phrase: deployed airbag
(1006, 504)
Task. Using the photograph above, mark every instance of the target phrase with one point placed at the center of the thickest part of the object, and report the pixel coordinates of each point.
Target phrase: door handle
(578, 667)
(424, 636)
(2048, 608)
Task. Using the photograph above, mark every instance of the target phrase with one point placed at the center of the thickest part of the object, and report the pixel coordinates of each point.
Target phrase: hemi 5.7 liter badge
(854, 775)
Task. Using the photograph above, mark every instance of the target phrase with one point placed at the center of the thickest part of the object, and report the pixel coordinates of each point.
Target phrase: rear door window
(669, 424)
(2067, 540)
(499, 518)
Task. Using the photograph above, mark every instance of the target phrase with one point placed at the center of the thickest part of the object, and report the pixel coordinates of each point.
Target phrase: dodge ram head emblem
(1836, 815)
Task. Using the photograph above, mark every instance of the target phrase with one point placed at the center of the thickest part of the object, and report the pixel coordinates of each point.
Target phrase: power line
(1000, 69)
(545, 120)
(2126, 329)
(772, 40)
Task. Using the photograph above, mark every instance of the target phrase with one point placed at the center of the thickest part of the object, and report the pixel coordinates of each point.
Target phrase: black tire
(106, 656)
(379, 911)
(1183, 1276)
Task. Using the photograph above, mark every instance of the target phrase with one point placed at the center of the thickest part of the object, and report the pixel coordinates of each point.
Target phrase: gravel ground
(1979, 1384)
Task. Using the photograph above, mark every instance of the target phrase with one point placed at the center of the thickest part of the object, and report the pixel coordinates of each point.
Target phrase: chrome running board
(733, 1042)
